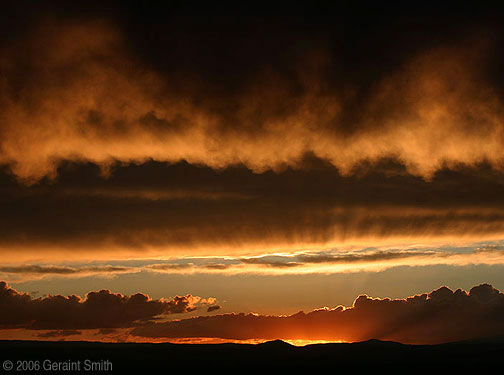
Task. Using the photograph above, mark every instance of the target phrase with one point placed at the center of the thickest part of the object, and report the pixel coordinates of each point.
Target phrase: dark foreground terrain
(100, 358)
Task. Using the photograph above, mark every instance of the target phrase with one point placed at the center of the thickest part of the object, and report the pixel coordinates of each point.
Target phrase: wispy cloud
(304, 262)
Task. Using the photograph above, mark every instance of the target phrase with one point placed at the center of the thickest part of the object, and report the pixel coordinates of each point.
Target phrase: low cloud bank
(442, 315)
(99, 309)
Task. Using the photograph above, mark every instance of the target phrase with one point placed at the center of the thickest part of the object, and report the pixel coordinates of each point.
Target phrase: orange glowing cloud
(427, 318)
(282, 163)
(297, 263)
(434, 317)
(80, 94)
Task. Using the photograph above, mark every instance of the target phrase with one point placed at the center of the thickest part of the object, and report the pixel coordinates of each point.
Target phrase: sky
(187, 173)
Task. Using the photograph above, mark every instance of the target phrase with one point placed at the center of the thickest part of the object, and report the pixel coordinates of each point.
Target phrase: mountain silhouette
(150, 358)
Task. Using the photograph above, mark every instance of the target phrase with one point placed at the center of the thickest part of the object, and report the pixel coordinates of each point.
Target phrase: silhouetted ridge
(277, 354)
(376, 342)
(276, 344)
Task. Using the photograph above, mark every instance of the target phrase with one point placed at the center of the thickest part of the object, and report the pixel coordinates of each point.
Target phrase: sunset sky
(211, 173)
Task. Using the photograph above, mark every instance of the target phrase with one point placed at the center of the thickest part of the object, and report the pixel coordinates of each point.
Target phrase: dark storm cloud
(439, 316)
(100, 309)
(217, 130)
(313, 205)
(221, 89)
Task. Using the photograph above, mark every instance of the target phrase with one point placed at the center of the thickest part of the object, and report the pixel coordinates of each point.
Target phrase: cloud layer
(349, 260)
(236, 212)
(99, 309)
(440, 316)
(224, 137)
(75, 90)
